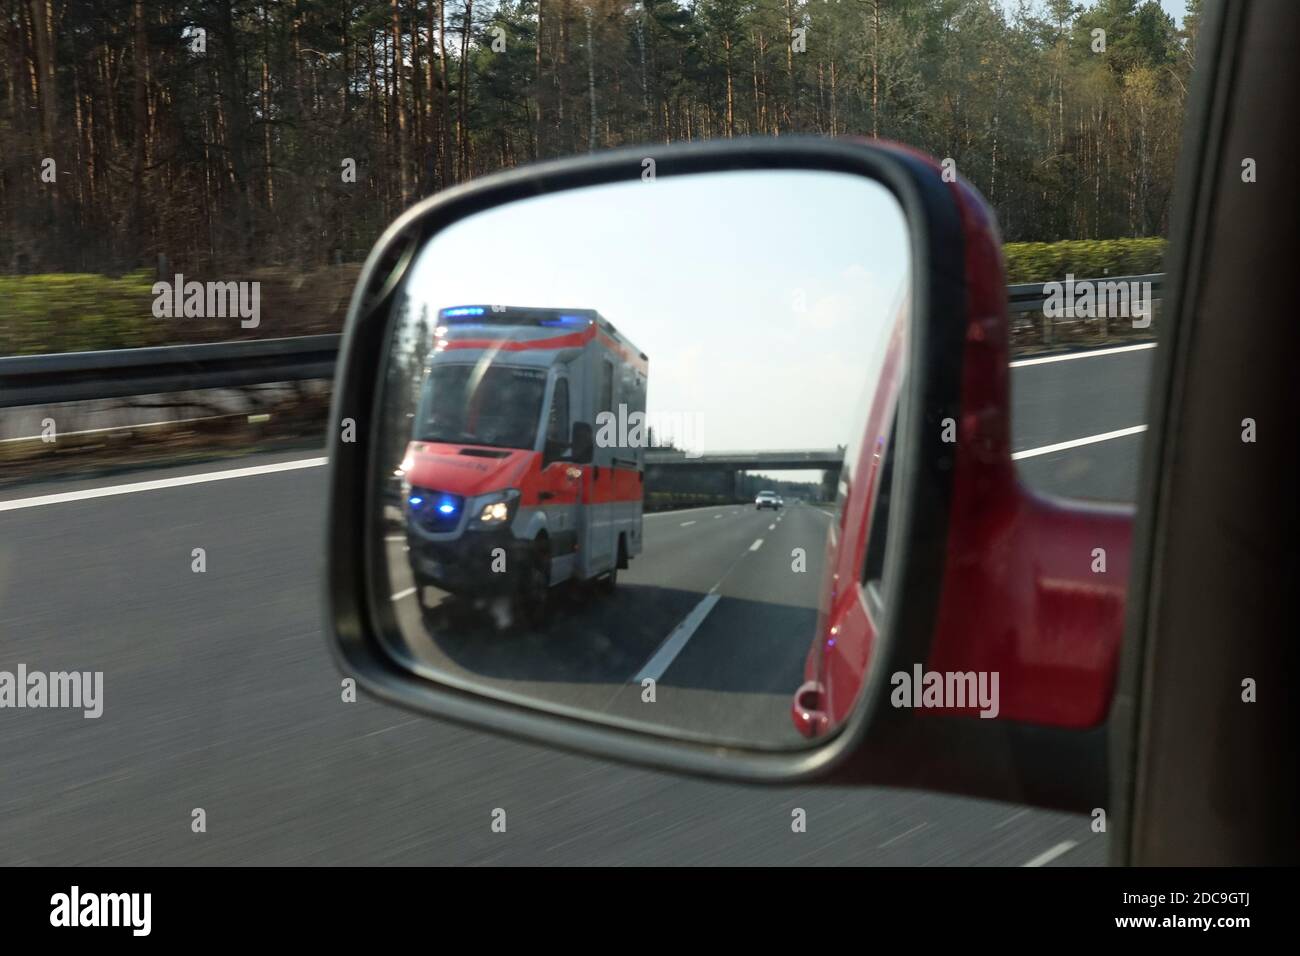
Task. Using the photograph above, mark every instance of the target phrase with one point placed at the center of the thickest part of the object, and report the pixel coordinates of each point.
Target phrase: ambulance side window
(607, 390)
(636, 403)
(606, 386)
(557, 426)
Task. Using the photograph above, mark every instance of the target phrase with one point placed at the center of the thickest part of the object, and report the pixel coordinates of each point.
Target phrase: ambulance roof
(459, 320)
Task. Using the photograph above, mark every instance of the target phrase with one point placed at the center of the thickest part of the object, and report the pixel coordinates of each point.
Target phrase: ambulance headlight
(495, 510)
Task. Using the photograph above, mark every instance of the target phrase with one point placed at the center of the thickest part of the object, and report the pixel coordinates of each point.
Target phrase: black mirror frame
(923, 470)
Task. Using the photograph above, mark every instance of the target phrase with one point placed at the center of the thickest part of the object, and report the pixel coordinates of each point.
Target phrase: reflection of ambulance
(505, 489)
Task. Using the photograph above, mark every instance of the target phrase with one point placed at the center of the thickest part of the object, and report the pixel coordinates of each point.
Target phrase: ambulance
(510, 487)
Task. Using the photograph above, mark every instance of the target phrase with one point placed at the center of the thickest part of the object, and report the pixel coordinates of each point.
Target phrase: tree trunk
(591, 81)
(539, 117)
(791, 107)
(645, 85)
(399, 108)
(139, 120)
(235, 113)
(418, 131)
(875, 68)
(265, 91)
(462, 121)
(444, 124)
(731, 92)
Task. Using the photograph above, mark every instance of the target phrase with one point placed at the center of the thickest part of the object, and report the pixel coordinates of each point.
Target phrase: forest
(226, 134)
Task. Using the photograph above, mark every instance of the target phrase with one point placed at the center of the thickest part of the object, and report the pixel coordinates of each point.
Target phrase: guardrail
(1031, 297)
(79, 376)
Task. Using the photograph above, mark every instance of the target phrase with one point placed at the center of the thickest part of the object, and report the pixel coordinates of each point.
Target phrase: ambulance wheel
(535, 588)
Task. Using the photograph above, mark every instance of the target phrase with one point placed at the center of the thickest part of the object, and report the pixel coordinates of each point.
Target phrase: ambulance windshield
(465, 405)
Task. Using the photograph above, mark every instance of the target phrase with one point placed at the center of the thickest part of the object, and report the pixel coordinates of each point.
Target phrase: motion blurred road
(220, 694)
(710, 610)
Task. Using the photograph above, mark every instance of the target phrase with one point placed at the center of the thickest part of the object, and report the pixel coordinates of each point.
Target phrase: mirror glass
(613, 424)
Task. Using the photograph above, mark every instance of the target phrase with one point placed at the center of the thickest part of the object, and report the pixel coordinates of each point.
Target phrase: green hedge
(62, 312)
(80, 313)
(1082, 258)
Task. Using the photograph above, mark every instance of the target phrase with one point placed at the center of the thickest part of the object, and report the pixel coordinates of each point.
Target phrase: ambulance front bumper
(481, 562)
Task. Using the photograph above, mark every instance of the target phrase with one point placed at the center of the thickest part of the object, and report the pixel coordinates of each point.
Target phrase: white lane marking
(680, 511)
(1049, 855)
(1076, 442)
(771, 527)
(687, 524)
(673, 644)
(1071, 356)
(716, 517)
(901, 835)
(405, 723)
(160, 483)
(1010, 819)
(401, 594)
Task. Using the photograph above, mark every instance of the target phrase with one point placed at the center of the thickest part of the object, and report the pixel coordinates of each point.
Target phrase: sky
(1175, 8)
(762, 298)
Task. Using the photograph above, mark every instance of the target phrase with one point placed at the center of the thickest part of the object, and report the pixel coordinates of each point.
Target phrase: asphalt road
(219, 694)
(710, 610)
(1056, 401)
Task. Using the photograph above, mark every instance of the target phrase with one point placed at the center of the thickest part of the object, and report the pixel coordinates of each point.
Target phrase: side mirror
(875, 321)
(582, 444)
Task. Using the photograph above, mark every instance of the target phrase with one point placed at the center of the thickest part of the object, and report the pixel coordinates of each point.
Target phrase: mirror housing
(955, 357)
(363, 619)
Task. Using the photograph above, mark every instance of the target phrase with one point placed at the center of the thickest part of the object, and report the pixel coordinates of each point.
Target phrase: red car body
(1020, 595)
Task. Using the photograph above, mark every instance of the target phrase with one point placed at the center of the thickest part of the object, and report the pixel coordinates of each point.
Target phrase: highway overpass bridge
(721, 472)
